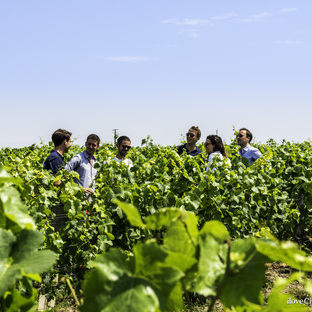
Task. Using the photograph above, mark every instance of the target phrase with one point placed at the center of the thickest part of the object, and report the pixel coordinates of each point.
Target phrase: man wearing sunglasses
(123, 147)
(244, 137)
(192, 136)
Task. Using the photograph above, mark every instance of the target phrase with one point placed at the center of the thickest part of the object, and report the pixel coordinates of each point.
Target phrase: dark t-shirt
(181, 148)
(54, 162)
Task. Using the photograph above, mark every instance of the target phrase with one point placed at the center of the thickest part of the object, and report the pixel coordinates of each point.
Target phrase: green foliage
(151, 279)
(274, 194)
(21, 259)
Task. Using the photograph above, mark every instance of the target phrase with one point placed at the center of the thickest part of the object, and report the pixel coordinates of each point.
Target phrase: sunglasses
(125, 146)
(239, 135)
(190, 134)
(206, 144)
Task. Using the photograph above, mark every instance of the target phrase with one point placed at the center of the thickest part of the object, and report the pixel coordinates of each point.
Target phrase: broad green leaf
(27, 242)
(149, 257)
(6, 241)
(17, 301)
(5, 177)
(22, 257)
(126, 293)
(38, 262)
(111, 285)
(151, 262)
(13, 209)
(131, 212)
(178, 239)
(211, 265)
(217, 230)
(287, 252)
(180, 260)
(10, 273)
(245, 277)
(163, 217)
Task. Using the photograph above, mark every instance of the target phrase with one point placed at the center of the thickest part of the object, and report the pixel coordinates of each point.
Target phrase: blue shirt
(195, 152)
(81, 164)
(54, 162)
(251, 153)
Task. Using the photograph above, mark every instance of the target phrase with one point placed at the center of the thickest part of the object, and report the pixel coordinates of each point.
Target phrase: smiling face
(123, 148)
(91, 146)
(209, 147)
(242, 139)
(191, 136)
(67, 145)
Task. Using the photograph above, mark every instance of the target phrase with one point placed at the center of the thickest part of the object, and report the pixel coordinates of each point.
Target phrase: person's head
(62, 139)
(244, 137)
(92, 144)
(193, 135)
(214, 144)
(123, 146)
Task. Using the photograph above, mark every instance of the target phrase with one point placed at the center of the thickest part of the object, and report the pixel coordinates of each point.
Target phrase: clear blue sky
(155, 68)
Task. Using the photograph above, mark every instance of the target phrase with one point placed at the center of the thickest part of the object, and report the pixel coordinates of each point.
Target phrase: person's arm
(73, 164)
(55, 164)
(210, 158)
(179, 149)
(257, 154)
(57, 182)
(88, 190)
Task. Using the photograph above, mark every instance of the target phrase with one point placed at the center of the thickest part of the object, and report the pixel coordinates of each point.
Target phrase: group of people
(215, 147)
(83, 163)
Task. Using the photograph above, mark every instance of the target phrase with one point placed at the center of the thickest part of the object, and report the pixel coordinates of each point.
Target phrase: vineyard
(158, 235)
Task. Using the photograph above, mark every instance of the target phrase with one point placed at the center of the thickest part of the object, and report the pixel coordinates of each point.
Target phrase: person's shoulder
(196, 152)
(214, 154)
(181, 147)
(74, 162)
(252, 148)
(54, 155)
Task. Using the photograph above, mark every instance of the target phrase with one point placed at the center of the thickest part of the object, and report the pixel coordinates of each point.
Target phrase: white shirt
(126, 161)
(81, 164)
(210, 159)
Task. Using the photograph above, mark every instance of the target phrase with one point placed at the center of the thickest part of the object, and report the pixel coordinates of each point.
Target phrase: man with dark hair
(62, 140)
(192, 136)
(83, 163)
(123, 147)
(244, 138)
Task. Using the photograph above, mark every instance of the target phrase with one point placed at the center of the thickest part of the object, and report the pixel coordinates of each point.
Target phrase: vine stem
(72, 291)
(188, 233)
(186, 295)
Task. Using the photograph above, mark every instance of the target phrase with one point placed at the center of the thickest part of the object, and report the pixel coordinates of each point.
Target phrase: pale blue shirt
(81, 164)
(251, 153)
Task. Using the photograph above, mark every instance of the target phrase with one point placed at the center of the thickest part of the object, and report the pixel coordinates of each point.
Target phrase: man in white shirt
(83, 163)
(123, 147)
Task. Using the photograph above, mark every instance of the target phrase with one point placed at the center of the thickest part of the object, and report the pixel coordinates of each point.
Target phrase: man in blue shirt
(244, 137)
(192, 136)
(83, 163)
(62, 141)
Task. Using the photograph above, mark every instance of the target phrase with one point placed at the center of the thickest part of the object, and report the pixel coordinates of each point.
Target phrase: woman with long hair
(214, 147)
